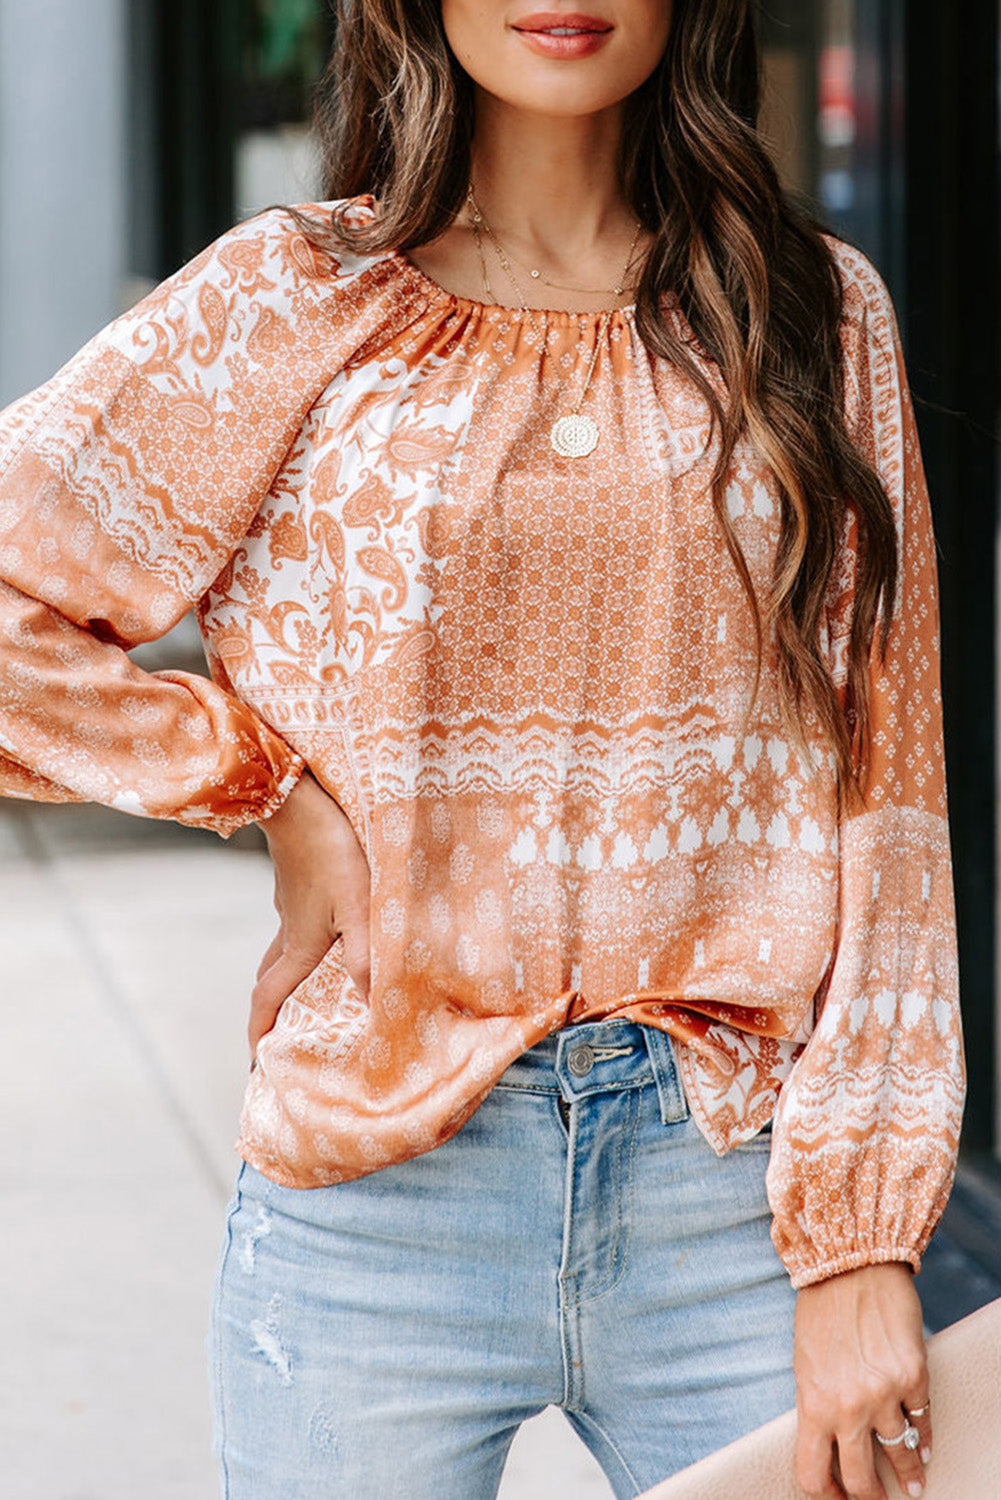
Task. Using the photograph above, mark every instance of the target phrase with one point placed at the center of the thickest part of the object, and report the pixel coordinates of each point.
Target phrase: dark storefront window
(834, 115)
(220, 95)
(283, 47)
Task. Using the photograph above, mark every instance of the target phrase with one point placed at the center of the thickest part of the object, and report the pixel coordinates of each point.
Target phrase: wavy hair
(747, 260)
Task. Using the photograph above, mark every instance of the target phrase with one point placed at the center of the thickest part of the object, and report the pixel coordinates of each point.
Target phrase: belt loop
(673, 1103)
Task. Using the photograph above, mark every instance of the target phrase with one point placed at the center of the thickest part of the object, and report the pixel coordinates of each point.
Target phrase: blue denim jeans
(576, 1244)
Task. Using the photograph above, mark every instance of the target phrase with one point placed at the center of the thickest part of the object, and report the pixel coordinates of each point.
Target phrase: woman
(552, 505)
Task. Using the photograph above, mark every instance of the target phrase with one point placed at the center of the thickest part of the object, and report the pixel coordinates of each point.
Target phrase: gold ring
(918, 1411)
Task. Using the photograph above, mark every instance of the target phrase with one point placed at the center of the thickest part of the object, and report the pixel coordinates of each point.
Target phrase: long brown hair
(755, 279)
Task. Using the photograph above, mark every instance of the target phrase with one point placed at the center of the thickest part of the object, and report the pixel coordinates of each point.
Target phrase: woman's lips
(555, 35)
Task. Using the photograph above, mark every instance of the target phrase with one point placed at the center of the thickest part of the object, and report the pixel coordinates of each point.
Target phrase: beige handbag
(965, 1367)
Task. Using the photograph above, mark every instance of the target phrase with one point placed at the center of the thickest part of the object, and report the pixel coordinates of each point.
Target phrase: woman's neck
(548, 188)
(548, 185)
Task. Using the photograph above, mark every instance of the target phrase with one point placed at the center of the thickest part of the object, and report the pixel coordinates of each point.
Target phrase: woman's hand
(321, 889)
(860, 1361)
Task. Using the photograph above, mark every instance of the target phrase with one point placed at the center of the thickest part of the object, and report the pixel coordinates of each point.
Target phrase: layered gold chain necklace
(573, 435)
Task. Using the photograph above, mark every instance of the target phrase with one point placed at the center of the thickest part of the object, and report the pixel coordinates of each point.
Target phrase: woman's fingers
(813, 1461)
(856, 1458)
(916, 1401)
(274, 986)
(272, 952)
(905, 1461)
(857, 1462)
(856, 1454)
(908, 1464)
(357, 955)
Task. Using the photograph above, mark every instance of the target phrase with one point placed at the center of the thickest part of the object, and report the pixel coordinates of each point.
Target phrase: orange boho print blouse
(524, 678)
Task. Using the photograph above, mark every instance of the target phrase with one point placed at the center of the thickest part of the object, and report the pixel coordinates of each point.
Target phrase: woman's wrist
(870, 1270)
(307, 809)
(304, 794)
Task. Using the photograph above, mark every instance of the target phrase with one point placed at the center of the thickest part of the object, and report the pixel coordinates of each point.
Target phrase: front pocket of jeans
(762, 1141)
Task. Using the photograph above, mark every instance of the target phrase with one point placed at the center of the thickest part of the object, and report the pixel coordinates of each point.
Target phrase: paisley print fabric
(526, 679)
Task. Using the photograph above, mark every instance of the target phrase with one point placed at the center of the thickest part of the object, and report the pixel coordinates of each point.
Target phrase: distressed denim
(576, 1244)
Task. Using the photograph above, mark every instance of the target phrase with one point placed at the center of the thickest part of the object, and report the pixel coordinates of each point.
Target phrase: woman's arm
(126, 482)
(866, 1132)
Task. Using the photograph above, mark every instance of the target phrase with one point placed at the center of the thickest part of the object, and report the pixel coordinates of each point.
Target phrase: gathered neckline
(472, 306)
(558, 316)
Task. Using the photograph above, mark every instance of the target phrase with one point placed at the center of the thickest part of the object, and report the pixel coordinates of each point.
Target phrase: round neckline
(558, 316)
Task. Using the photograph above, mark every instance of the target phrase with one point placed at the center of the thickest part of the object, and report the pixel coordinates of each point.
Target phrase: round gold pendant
(574, 436)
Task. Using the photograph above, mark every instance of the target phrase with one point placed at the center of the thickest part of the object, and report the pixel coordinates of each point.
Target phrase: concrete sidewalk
(127, 953)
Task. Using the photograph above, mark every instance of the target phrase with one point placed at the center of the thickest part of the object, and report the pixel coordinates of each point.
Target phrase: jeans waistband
(592, 1056)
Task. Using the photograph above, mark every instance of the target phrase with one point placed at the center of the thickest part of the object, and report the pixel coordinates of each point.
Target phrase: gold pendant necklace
(573, 435)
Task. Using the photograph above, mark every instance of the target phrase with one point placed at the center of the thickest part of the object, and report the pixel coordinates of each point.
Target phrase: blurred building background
(134, 131)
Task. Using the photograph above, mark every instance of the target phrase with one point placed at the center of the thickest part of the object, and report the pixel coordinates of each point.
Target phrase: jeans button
(580, 1060)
